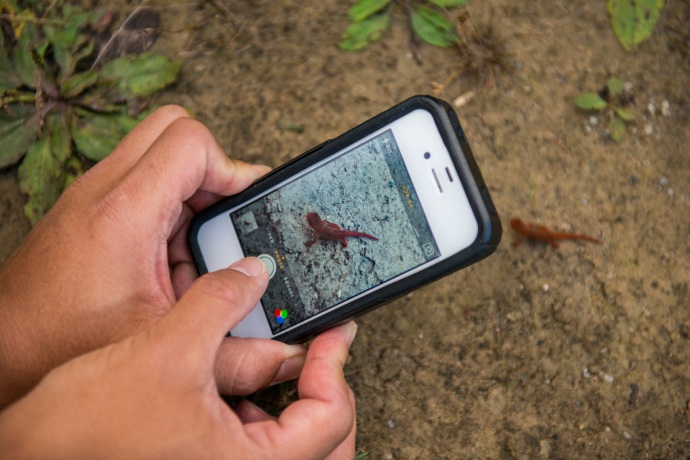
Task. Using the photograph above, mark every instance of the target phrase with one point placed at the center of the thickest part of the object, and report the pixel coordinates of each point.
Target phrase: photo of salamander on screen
(324, 230)
(345, 227)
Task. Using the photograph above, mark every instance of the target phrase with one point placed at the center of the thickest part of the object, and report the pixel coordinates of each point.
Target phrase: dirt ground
(577, 352)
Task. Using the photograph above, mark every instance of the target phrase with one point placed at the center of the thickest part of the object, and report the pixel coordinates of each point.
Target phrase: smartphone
(393, 204)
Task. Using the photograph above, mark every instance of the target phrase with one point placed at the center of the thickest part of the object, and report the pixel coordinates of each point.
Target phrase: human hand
(154, 395)
(111, 258)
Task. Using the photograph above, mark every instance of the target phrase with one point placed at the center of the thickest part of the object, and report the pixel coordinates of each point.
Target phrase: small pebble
(585, 373)
(545, 287)
(628, 86)
(663, 181)
(391, 423)
(588, 128)
(593, 120)
(608, 378)
(648, 129)
(651, 107)
(671, 192)
(666, 108)
(464, 99)
(627, 435)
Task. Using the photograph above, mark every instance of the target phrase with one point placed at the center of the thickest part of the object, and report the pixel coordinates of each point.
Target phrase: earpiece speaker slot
(438, 182)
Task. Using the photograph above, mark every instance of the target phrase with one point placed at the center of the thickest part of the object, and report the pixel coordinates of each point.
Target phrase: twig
(414, 40)
(226, 11)
(50, 7)
(31, 19)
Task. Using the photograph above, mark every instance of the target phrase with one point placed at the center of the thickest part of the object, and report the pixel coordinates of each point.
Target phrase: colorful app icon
(281, 315)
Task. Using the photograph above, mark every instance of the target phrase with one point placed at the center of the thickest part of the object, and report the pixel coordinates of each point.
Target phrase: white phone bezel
(449, 214)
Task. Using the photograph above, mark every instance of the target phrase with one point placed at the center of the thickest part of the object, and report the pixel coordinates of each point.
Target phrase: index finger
(324, 416)
(182, 161)
(136, 143)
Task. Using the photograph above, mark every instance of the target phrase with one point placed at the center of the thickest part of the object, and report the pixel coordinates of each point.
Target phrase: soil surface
(577, 352)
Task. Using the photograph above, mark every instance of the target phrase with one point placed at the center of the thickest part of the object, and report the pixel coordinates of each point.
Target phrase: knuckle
(109, 208)
(171, 112)
(246, 372)
(192, 133)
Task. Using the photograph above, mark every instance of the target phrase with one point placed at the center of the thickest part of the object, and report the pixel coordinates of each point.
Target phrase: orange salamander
(328, 231)
(537, 232)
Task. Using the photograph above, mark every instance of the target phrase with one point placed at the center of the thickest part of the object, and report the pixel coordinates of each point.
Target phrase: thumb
(215, 303)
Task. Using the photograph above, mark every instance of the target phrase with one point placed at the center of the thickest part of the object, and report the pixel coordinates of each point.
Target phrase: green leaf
(449, 3)
(8, 77)
(590, 101)
(432, 27)
(100, 98)
(617, 128)
(287, 125)
(62, 38)
(78, 83)
(625, 114)
(615, 86)
(633, 20)
(73, 170)
(365, 8)
(70, 44)
(60, 136)
(39, 177)
(437, 19)
(82, 53)
(15, 5)
(141, 75)
(360, 34)
(18, 130)
(97, 135)
(24, 64)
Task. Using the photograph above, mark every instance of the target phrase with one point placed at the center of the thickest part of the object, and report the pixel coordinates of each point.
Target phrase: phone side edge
(490, 228)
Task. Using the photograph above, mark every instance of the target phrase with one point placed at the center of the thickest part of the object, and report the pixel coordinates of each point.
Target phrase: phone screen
(344, 227)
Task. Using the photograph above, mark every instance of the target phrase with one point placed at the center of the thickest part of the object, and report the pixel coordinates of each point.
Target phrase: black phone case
(488, 237)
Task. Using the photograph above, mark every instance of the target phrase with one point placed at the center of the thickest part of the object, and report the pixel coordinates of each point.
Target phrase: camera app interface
(344, 227)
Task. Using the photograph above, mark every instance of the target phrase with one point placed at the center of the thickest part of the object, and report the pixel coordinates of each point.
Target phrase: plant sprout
(370, 18)
(614, 101)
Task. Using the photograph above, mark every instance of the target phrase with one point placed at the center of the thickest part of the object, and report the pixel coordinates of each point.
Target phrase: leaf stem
(18, 17)
(16, 99)
(414, 40)
(50, 7)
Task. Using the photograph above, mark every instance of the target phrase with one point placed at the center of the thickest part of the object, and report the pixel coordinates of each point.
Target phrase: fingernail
(292, 351)
(262, 169)
(250, 266)
(352, 329)
(289, 369)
